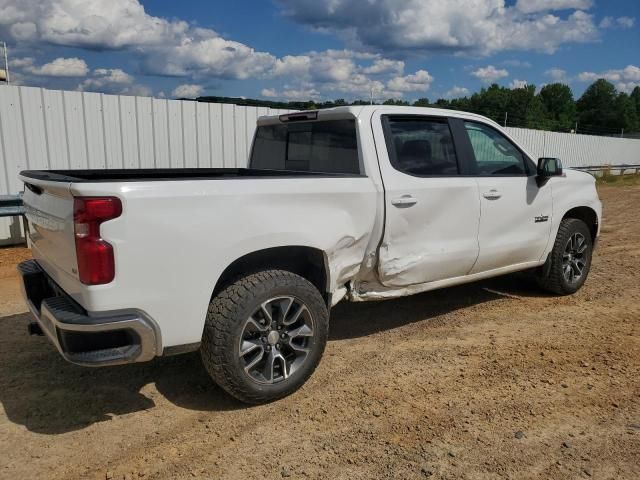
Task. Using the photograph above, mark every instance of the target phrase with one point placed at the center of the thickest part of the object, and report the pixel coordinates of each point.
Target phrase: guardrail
(11, 206)
(634, 168)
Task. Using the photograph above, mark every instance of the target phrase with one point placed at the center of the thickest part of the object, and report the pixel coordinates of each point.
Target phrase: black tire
(227, 322)
(551, 277)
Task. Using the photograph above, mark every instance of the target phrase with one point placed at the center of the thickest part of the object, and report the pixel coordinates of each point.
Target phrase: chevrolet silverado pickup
(359, 203)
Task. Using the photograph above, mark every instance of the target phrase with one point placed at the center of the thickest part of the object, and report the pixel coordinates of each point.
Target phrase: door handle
(404, 201)
(492, 194)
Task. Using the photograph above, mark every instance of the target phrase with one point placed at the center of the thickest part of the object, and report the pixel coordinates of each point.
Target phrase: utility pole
(505, 119)
(576, 130)
(622, 133)
(6, 64)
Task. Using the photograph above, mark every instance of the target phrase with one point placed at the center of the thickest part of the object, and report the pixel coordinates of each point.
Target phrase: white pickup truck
(362, 203)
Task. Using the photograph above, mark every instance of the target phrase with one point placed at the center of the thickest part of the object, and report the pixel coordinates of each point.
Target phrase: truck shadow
(47, 395)
(40, 390)
(352, 320)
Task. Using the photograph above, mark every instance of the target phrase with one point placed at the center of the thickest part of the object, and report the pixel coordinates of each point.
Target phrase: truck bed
(165, 174)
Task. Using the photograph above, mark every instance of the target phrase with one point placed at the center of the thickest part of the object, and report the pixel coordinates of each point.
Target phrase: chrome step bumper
(109, 339)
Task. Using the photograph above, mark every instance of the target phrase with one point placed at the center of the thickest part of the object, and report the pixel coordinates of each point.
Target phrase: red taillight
(95, 256)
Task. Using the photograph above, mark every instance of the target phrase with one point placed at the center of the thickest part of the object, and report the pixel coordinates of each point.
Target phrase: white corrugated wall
(576, 150)
(52, 129)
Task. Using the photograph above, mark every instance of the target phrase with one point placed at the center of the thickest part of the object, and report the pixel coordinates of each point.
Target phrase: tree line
(601, 110)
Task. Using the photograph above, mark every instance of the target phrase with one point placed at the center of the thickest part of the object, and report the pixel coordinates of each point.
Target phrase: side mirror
(549, 167)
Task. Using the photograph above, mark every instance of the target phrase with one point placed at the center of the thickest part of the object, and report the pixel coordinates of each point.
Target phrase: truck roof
(357, 111)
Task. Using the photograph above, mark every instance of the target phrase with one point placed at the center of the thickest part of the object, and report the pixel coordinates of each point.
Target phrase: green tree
(559, 105)
(442, 103)
(490, 102)
(392, 101)
(421, 102)
(596, 107)
(525, 109)
(463, 103)
(626, 115)
(635, 97)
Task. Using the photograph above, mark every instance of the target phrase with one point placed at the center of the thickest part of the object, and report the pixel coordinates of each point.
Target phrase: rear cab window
(328, 146)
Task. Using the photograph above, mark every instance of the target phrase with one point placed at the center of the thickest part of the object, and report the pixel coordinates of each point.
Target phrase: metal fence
(52, 129)
(577, 150)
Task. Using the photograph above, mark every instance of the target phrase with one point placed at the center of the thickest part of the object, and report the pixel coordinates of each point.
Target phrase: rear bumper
(108, 339)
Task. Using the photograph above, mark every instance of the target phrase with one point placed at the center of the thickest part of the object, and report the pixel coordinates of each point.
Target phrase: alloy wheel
(574, 258)
(276, 339)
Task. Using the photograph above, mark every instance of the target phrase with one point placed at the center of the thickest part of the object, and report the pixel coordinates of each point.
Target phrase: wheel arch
(588, 215)
(308, 262)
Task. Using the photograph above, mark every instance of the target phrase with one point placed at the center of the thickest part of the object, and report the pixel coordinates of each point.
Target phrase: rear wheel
(569, 262)
(264, 335)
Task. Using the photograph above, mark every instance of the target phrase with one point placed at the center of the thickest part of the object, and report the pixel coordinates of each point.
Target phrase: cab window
(494, 153)
(324, 147)
(421, 146)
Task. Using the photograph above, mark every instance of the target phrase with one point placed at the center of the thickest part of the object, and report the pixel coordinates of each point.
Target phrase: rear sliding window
(324, 147)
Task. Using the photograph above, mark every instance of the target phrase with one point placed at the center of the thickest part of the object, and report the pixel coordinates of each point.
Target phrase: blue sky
(320, 49)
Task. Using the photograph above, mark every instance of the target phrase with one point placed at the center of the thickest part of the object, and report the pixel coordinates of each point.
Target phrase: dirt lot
(490, 380)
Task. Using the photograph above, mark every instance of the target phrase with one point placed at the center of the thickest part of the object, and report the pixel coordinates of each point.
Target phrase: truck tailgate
(49, 211)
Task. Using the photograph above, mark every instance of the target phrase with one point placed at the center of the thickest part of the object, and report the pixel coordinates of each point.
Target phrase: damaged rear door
(432, 211)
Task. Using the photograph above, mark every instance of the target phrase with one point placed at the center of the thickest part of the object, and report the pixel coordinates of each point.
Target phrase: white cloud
(303, 94)
(60, 67)
(625, 79)
(531, 6)
(463, 26)
(177, 48)
(113, 75)
(187, 91)
(517, 63)
(204, 54)
(418, 82)
(490, 74)
(291, 65)
(383, 65)
(115, 81)
(290, 93)
(81, 23)
(626, 22)
(457, 92)
(557, 74)
(170, 47)
(607, 22)
(515, 83)
(340, 72)
(21, 62)
(620, 22)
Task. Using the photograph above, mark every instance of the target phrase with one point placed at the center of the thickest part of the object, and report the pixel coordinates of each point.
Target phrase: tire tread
(554, 281)
(222, 317)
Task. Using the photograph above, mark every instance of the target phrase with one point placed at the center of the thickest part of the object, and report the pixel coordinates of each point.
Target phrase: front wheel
(569, 262)
(264, 335)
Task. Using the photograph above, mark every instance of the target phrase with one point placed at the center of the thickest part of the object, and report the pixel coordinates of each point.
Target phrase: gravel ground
(485, 381)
